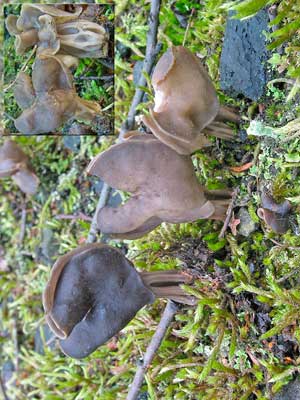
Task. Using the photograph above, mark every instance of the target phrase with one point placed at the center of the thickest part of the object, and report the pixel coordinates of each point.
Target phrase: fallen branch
(156, 340)
(228, 213)
(151, 53)
(23, 221)
(81, 216)
(92, 236)
(3, 389)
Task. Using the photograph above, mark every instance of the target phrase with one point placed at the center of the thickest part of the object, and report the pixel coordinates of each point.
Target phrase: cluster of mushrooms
(94, 290)
(48, 98)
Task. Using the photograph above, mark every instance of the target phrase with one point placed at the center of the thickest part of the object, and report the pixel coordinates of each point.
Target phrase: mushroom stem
(220, 130)
(167, 284)
(221, 207)
(218, 194)
(227, 114)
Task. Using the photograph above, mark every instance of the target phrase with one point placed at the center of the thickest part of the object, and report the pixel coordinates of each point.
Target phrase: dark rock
(124, 51)
(143, 396)
(7, 371)
(289, 392)
(244, 55)
(263, 322)
(72, 142)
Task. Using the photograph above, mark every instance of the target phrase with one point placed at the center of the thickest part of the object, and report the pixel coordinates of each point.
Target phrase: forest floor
(242, 339)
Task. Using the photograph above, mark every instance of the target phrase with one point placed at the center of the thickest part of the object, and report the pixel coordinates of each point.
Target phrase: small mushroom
(162, 183)
(49, 100)
(14, 163)
(94, 291)
(276, 216)
(49, 43)
(186, 108)
(24, 40)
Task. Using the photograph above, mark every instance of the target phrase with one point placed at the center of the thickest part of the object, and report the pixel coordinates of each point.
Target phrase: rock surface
(247, 225)
(244, 55)
(289, 392)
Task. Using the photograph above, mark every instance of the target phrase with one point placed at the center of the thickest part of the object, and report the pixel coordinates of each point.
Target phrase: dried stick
(153, 22)
(101, 203)
(228, 214)
(3, 389)
(156, 340)
(22, 69)
(23, 222)
(79, 216)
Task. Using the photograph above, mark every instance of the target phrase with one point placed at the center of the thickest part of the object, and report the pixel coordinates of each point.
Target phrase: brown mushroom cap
(57, 31)
(55, 99)
(162, 184)
(47, 36)
(14, 163)
(185, 101)
(94, 291)
(24, 40)
(82, 38)
(276, 216)
(30, 13)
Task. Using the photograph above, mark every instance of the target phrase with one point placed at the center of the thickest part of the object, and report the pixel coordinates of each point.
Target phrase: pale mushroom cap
(162, 183)
(274, 214)
(50, 100)
(185, 101)
(92, 293)
(82, 38)
(27, 181)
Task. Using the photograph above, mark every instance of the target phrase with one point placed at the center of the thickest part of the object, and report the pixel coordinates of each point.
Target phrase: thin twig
(3, 389)
(101, 203)
(95, 78)
(285, 246)
(23, 221)
(22, 69)
(188, 26)
(156, 340)
(153, 22)
(228, 213)
(81, 216)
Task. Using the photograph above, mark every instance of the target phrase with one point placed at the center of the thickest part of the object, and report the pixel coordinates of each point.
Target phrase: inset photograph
(58, 69)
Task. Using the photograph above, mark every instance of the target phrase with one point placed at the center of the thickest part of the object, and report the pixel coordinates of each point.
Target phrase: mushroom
(14, 163)
(49, 43)
(276, 216)
(30, 13)
(56, 34)
(186, 107)
(162, 183)
(24, 40)
(94, 291)
(49, 99)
